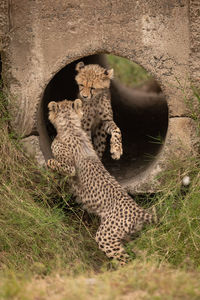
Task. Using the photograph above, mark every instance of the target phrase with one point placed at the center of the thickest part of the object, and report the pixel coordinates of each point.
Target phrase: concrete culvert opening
(140, 111)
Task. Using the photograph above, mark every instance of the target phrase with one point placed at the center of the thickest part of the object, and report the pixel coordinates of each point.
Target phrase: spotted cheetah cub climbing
(97, 121)
(93, 186)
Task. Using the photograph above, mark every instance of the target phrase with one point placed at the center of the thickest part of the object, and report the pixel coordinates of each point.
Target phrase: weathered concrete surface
(31, 145)
(4, 21)
(46, 35)
(194, 15)
(41, 37)
(180, 143)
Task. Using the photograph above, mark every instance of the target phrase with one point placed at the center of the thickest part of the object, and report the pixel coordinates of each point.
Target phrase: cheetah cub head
(64, 111)
(92, 80)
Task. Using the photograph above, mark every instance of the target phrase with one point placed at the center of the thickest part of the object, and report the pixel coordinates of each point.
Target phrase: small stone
(91, 281)
(186, 180)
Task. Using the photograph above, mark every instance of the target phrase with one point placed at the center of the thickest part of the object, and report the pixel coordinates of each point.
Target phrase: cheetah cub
(97, 121)
(92, 185)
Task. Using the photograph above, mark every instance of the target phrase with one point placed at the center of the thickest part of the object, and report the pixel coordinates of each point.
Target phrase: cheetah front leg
(99, 140)
(111, 245)
(116, 144)
(116, 149)
(62, 168)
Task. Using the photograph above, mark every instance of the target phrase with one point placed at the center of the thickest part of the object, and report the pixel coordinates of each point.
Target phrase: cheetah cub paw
(60, 168)
(51, 164)
(116, 145)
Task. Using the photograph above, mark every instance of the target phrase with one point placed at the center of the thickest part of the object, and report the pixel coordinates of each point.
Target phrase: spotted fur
(97, 121)
(93, 186)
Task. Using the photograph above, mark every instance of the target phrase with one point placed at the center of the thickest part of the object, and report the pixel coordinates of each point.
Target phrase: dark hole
(141, 114)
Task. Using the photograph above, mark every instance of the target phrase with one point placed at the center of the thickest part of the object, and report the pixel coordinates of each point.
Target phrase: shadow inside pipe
(141, 114)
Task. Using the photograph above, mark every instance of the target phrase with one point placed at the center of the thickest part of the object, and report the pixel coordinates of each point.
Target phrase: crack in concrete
(30, 134)
(183, 116)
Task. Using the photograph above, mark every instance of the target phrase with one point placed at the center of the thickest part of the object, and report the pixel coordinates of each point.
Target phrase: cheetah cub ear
(78, 107)
(53, 106)
(79, 66)
(109, 73)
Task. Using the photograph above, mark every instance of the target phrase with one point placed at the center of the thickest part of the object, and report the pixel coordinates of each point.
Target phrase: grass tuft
(139, 281)
(47, 249)
(39, 228)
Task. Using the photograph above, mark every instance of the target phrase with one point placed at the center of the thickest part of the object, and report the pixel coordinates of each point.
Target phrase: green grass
(139, 280)
(47, 247)
(130, 73)
(38, 228)
(177, 239)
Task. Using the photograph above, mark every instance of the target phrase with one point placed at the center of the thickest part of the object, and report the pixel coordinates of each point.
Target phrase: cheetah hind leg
(99, 140)
(151, 216)
(112, 247)
(65, 169)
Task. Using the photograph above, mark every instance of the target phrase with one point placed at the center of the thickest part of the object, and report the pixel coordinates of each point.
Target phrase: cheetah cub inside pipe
(90, 182)
(94, 90)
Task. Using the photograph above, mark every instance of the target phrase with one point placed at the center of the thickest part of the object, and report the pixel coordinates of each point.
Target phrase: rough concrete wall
(4, 20)
(46, 35)
(49, 34)
(179, 144)
(194, 17)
